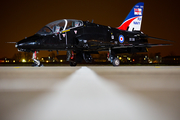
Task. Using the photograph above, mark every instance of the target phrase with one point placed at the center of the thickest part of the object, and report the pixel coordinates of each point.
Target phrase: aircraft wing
(139, 45)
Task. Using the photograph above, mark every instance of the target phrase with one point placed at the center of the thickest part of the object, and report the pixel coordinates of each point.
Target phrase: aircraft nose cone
(16, 45)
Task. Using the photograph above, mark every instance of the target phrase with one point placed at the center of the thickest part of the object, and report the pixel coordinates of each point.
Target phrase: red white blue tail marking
(134, 18)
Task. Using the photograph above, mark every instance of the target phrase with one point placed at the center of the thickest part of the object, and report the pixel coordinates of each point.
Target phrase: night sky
(23, 18)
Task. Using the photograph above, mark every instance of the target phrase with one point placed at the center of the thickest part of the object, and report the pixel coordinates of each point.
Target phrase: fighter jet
(82, 38)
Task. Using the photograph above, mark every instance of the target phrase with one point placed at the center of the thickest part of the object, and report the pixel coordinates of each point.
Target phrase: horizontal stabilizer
(159, 39)
(139, 45)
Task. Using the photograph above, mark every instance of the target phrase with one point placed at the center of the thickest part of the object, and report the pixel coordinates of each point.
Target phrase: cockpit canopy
(59, 26)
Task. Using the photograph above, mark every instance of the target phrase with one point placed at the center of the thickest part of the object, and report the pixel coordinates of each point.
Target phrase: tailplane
(134, 18)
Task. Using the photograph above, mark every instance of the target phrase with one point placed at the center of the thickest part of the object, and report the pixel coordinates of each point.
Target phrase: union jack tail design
(137, 11)
(134, 18)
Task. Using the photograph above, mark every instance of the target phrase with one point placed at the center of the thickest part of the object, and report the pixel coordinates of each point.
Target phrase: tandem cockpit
(59, 26)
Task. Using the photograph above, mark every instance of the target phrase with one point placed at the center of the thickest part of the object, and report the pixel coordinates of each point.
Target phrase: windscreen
(60, 25)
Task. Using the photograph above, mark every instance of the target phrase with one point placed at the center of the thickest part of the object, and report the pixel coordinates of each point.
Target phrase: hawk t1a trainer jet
(82, 38)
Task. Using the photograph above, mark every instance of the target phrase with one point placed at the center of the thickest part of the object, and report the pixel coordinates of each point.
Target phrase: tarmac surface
(90, 93)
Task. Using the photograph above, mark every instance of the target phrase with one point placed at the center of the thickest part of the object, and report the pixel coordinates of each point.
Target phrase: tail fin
(134, 18)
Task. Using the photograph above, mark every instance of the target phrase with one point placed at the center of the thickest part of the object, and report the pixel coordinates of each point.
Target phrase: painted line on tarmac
(17, 67)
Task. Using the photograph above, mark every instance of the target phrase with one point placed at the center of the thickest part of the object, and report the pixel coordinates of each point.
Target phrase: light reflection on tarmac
(90, 93)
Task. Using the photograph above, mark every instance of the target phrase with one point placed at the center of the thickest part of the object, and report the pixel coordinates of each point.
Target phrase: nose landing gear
(36, 63)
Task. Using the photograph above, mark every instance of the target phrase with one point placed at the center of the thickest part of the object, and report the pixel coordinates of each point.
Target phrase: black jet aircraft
(82, 38)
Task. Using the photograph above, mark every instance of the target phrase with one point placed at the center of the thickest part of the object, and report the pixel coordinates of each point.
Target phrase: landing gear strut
(70, 58)
(36, 63)
(111, 57)
(87, 57)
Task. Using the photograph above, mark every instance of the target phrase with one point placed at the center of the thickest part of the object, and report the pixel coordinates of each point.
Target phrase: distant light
(120, 58)
(14, 61)
(23, 60)
(150, 61)
(133, 60)
(1, 60)
(61, 60)
(47, 61)
(128, 58)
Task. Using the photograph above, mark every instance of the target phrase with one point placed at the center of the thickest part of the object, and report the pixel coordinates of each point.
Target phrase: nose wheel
(36, 63)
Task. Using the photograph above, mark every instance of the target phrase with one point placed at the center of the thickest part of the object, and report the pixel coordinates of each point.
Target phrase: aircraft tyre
(73, 63)
(37, 63)
(116, 62)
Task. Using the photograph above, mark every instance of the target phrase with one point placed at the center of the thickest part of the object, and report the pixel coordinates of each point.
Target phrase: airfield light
(150, 61)
(47, 61)
(23, 60)
(120, 58)
(61, 60)
(133, 60)
(14, 61)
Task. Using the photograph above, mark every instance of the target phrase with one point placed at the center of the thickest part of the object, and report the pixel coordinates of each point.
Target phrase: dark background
(21, 18)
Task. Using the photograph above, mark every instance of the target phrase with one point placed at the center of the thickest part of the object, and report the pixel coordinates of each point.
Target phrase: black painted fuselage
(88, 37)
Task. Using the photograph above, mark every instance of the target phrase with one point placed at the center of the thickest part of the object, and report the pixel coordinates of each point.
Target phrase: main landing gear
(111, 57)
(80, 55)
(36, 63)
(70, 58)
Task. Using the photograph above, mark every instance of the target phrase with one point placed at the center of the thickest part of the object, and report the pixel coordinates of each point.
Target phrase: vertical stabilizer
(134, 18)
